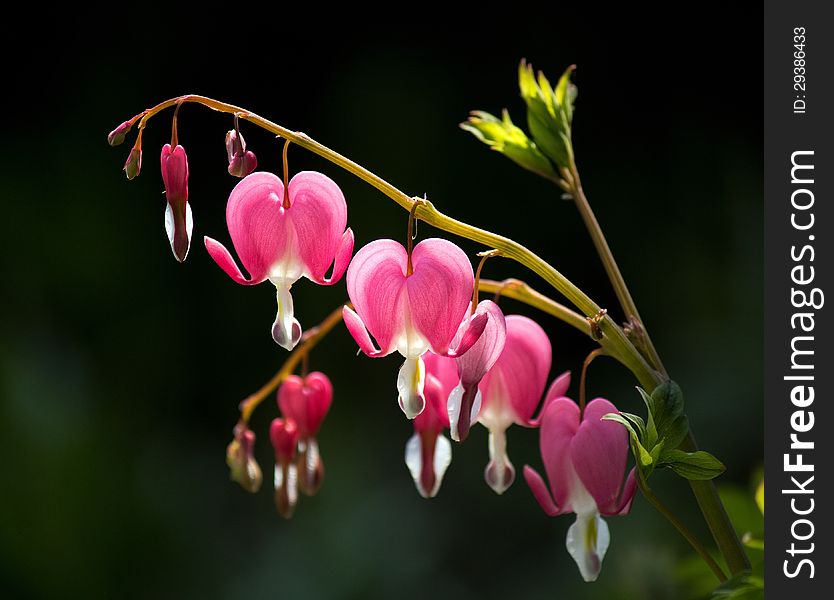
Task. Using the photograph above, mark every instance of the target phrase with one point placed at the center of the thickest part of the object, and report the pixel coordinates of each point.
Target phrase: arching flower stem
(613, 339)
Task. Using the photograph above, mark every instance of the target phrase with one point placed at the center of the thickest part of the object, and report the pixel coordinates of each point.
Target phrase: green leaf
(651, 427)
(668, 402)
(698, 465)
(638, 422)
(744, 586)
(503, 136)
(547, 119)
(622, 420)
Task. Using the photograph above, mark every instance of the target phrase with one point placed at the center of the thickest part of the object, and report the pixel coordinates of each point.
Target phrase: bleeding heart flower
(178, 219)
(428, 453)
(306, 401)
(464, 402)
(584, 458)
(284, 244)
(284, 436)
(411, 312)
(511, 392)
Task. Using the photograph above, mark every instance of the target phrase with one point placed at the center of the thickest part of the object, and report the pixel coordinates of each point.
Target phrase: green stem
(611, 268)
(614, 340)
(717, 519)
(678, 524)
(705, 493)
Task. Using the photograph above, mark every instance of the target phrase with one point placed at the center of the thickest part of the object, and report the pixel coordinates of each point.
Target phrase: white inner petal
(442, 460)
(414, 458)
(498, 412)
(410, 383)
(453, 406)
(587, 541)
(499, 473)
(286, 330)
(414, 462)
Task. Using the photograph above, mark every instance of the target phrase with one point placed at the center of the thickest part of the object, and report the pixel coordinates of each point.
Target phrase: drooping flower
(411, 312)
(284, 436)
(241, 161)
(306, 401)
(585, 459)
(464, 402)
(283, 244)
(511, 391)
(428, 453)
(178, 219)
(241, 460)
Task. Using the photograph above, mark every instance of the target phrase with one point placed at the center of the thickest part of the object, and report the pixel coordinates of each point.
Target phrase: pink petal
(357, 329)
(342, 259)
(375, 284)
(472, 329)
(225, 261)
(434, 416)
(540, 492)
(257, 223)
(521, 372)
(481, 356)
(599, 452)
(283, 433)
(445, 370)
(319, 214)
(626, 496)
(557, 389)
(560, 422)
(306, 401)
(439, 291)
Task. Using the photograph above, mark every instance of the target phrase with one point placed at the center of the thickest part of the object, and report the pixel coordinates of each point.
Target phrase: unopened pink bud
(117, 136)
(133, 164)
(178, 219)
(241, 161)
(284, 435)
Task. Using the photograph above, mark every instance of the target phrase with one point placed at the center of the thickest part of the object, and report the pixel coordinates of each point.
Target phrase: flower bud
(239, 457)
(117, 136)
(133, 164)
(306, 401)
(241, 161)
(178, 219)
(284, 435)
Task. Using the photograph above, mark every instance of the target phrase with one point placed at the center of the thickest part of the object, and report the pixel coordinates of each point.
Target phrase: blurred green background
(121, 370)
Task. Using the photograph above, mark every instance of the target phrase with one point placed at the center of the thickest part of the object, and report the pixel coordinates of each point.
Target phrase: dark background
(121, 370)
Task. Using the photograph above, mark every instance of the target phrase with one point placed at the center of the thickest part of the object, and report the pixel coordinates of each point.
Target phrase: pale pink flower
(411, 313)
(511, 391)
(284, 244)
(585, 459)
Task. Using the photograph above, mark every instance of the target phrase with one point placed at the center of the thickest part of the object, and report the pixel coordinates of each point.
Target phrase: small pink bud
(306, 401)
(284, 435)
(239, 457)
(117, 136)
(133, 164)
(178, 219)
(241, 161)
